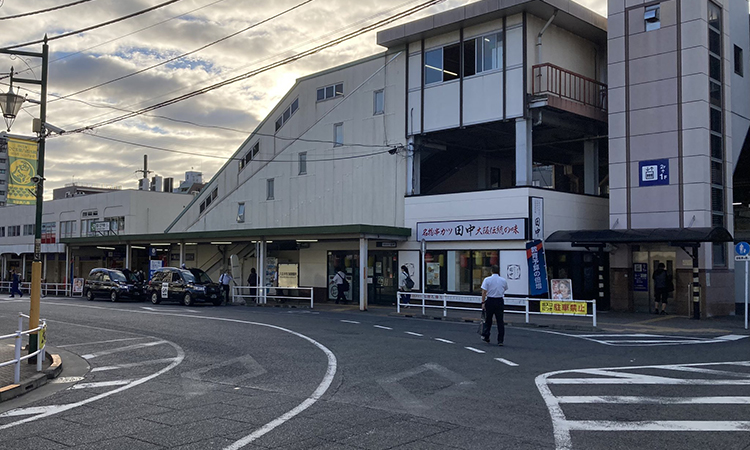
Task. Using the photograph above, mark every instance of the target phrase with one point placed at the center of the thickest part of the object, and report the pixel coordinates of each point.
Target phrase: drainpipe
(539, 37)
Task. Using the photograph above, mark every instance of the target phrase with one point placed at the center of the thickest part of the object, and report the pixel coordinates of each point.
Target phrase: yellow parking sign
(42, 336)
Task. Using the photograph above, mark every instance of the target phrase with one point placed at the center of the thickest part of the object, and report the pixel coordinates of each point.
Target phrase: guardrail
(450, 301)
(18, 337)
(261, 294)
(552, 79)
(47, 288)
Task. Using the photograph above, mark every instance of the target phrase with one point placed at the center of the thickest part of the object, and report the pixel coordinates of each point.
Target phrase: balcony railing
(550, 79)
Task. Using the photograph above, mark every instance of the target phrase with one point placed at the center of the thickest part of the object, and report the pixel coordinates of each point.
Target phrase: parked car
(183, 285)
(112, 284)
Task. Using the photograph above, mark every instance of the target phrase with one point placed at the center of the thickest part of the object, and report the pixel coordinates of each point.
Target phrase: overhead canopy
(676, 236)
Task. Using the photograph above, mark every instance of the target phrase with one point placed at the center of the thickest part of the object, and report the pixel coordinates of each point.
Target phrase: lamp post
(13, 103)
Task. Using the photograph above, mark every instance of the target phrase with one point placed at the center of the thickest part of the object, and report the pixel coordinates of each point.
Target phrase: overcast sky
(88, 59)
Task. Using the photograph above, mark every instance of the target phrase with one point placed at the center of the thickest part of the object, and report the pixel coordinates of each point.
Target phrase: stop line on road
(710, 375)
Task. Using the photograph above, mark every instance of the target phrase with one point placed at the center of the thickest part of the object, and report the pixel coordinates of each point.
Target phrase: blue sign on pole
(742, 249)
(537, 268)
(640, 277)
(653, 173)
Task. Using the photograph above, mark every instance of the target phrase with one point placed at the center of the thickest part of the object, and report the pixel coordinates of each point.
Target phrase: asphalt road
(140, 376)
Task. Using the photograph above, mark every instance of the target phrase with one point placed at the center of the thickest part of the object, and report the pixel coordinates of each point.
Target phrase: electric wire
(203, 47)
(93, 27)
(266, 68)
(31, 13)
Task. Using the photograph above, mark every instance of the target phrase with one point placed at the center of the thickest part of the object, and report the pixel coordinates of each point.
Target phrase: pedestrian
(183, 266)
(405, 284)
(342, 285)
(15, 284)
(224, 280)
(663, 285)
(252, 281)
(493, 303)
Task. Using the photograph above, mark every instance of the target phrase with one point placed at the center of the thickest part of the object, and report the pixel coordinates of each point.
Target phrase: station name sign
(472, 230)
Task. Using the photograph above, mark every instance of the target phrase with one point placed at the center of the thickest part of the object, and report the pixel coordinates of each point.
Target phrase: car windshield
(118, 276)
(201, 276)
(187, 276)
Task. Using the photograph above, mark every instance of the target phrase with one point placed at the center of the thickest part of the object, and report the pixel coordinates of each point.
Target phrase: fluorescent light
(450, 73)
(307, 240)
(191, 243)
(105, 248)
(155, 244)
(138, 247)
(221, 243)
(737, 204)
(269, 242)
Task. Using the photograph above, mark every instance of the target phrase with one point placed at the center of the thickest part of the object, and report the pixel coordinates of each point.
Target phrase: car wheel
(217, 302)
(187, 300)
(89, 295)
(155, 298)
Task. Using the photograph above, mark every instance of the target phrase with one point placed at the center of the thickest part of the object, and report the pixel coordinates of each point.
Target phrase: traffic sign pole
(742, 253)
(747, 270)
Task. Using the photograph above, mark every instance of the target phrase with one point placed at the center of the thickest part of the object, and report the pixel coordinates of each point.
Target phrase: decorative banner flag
(537, 268)
(22, 155)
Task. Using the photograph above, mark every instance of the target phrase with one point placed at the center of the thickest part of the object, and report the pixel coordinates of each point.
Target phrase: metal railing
(47, 288)
(554, 80)
(18, 337)
(447, 302)
(262, 294)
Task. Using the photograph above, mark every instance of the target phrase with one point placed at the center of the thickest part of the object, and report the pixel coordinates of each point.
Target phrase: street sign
(742, 257)
(742, 249)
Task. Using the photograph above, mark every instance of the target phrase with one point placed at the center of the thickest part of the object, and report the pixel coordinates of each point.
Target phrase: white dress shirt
(495, 285)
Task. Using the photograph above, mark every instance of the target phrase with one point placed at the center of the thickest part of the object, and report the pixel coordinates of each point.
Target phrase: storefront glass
(458, 271)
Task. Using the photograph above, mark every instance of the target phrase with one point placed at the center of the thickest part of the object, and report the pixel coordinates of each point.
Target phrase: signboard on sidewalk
(537, 268)
(577, 308)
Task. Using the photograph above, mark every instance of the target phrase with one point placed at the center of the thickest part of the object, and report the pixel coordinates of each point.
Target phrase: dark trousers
(14, 290)
(405, 298)
(494, 307)
(341, 293)
(225, 288)
(661, 295)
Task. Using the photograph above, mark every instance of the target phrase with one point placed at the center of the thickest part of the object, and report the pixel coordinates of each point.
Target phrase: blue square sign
(653, 173)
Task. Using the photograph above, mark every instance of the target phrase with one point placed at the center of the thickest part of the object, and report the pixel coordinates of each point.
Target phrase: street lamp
(11, 105)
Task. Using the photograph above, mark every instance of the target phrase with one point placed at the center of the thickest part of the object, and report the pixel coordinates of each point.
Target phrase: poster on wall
(433, 274)
(514, 269)
(562, 289)
(153, 266)
(288, 275)
(640, 277)
(537, 268)
(271, 275)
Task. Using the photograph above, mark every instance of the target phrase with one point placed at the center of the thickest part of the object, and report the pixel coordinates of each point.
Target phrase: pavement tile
(77, 435)
(120, 443)
(329, 411)
(96, 417)
(29, 442)
(183, 416)
(297, 430)
(385, 434)
(193, 432)
(213, 443)
(468, 439)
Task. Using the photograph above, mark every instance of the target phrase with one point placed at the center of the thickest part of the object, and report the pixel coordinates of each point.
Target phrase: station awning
(674, 236)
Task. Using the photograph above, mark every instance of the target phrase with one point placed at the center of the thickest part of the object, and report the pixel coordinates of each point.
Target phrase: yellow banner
(22, 155)
(548, 307)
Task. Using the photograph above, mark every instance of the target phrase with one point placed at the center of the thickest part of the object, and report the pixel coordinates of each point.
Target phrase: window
(3, 160)
(241, 212)
(2, 181)
(738, 66)
(443, 64)
(209, 199)
(716, 123)
(651, 16)
(28, 230)
(116, 224)
(378, 102)
(338, 134)
(14, 230)
(2, 231)
(303, 163)
(269, 189)
(719, 254)
(334, 90)
(433, 66)
(250, 155)
(491, 57)
(459, 271)
(67, 229)
(2, 193)
(2, 170)
(287, 114)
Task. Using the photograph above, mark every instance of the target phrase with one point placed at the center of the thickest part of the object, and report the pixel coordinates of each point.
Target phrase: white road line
(130, 365)
(382, 327)
(731, 337)
(29, 411)
(101, 342)
(444, 340)
(505, 361)
(475, 350)
(723, 373)
(122, 349)
(646, 380)
(100, 384)
(413, 333)
(631, 400)
(664, 425)
(349, 321)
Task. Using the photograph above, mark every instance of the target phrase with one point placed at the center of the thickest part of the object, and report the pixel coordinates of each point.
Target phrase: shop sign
(99, 227)
(386, 244)
(537, 268)
(653, 173)
(536, 207)
(472, 230)
(548, 307)
(640, 277)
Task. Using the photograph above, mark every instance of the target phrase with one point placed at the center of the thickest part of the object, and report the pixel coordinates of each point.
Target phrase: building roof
(572, 16)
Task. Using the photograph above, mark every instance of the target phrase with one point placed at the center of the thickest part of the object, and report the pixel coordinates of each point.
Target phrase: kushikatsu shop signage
(472, 230)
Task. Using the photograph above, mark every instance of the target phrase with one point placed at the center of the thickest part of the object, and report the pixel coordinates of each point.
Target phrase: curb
(39, 379)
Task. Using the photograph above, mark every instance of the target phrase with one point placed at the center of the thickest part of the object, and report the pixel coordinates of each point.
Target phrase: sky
(87, 59)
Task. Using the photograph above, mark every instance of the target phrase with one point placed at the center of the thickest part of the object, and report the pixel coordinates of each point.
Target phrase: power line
(93, 27)
(266, 68)
(299, 5)
(16, 16)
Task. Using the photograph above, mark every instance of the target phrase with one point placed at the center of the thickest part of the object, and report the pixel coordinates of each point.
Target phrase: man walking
(662, 287)
(224, 280)
(342, 285)
(15, 284)
(493, 303)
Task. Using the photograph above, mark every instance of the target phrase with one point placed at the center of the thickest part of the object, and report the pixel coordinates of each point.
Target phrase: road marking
(413, 333)
(130, 365)
(444, 340)
(312, 399)
(122, 349)
(148, 308)
(350, 321)
(664, 425)
(382, 327)
(475, 350)
(633, 400)
(505, 361)
(731, 337)
(645, 340)
(100, 342)
(29, 411)
(100, 384)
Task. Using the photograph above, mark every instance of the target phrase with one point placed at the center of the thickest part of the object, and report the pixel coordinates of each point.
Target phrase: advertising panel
(472, 230)
(22, 159)
(537, 268)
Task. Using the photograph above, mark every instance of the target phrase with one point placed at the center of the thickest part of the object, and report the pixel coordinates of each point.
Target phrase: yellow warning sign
(550, 307)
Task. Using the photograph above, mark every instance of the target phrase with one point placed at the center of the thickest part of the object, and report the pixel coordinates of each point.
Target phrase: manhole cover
(67, 380)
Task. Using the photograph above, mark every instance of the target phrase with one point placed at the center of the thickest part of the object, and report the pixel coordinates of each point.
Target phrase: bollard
(594, 311)
(527, 310)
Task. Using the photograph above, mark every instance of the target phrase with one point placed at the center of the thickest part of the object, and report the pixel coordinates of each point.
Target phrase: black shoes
(486, 339)
(500, 344)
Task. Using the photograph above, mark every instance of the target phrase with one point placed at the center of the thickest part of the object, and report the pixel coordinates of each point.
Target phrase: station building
(481, 128)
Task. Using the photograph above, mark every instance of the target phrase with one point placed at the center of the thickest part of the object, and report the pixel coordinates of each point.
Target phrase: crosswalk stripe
(505, 361)
(665, 425)
(720, 400)
(382, 327)
(475, 350)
